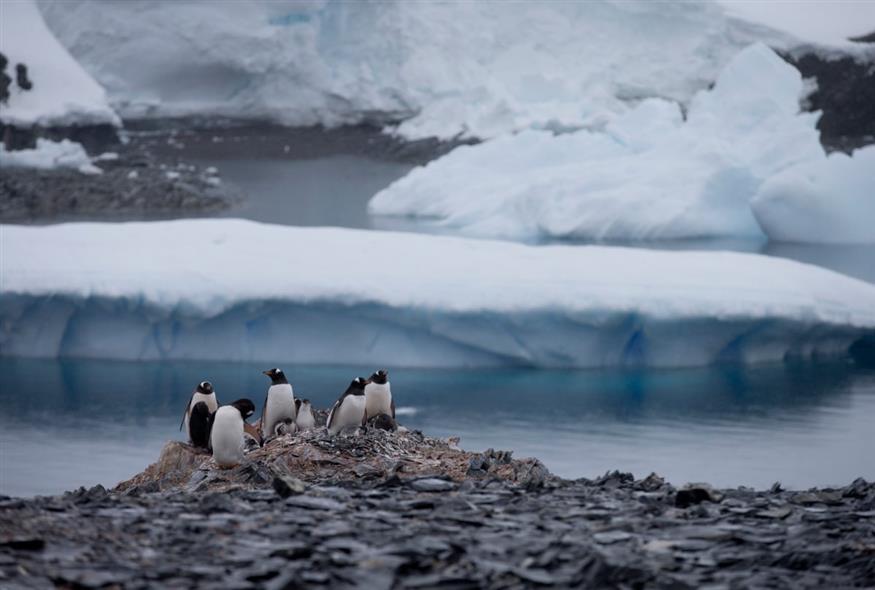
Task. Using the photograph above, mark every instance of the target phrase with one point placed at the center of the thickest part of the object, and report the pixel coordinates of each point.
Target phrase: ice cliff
(475, 69)
(238, 290)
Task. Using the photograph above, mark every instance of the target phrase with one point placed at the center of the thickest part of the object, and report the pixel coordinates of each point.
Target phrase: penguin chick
(199, 425)
(378, 396)
(383, 422)
(204, 392)
(305, 419)
(226, 436)
(279, 403)
(285, 427)
(349, 409)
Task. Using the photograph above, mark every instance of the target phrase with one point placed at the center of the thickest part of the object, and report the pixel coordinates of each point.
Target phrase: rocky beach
(380, 509)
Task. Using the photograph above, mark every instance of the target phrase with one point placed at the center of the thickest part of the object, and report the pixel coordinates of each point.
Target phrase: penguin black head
(380, 377)
(357, 387)
(297, 404)
(245, 406)
(276, 376)
(205, 387)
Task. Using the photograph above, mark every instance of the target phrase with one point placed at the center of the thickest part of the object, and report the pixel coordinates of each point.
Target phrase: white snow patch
(209, 289)
(63, 93)
(475, 69)
(49, 155)
(831, 200)
(827, 22)
(649, 175)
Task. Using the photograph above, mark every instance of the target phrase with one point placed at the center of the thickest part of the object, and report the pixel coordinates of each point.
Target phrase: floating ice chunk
(50, 155)
(201, 291)
(648, 175)
(830, 201)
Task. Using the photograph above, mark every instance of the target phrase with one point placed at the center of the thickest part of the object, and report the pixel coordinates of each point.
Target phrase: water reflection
(79, 422)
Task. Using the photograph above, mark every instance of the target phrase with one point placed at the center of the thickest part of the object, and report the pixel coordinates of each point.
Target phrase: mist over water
(80, 422)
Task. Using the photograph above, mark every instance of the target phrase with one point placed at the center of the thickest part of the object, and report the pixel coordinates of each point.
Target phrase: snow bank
(63, 93)
(831, 200)
(233, 289)
(649, 175)
(448, 68)
(50, 154)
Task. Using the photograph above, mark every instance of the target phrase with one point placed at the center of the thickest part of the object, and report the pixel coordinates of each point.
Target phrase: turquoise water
(71, 423)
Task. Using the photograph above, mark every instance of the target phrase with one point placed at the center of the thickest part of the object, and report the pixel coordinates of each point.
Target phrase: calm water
(74, 423)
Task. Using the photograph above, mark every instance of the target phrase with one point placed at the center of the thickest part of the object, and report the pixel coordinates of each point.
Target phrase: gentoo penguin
(204, 392)
(287, 426)
(199, 424)
(378, 396)
(226, 436)
(279, 403)
(305, 419)
(349, 410)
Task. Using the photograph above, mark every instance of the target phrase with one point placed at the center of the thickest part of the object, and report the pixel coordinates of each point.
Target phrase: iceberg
(239, 290)
(63, 93)
(653, 173)
(441, 69)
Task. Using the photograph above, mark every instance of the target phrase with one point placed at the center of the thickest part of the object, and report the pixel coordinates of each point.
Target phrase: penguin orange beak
(266, 373)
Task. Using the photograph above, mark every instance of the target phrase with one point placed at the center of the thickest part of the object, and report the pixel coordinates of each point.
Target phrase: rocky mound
(314, 457)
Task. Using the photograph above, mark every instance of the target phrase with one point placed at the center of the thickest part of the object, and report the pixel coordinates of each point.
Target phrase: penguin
(378, 396)
(21, 77)
(305, 419)
(204, 392)
(199, 424)
(279, 403)
(226, 436)
(349, 410)
(287, 426)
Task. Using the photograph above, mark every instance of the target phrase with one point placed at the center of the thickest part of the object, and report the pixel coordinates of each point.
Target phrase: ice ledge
(237, 290)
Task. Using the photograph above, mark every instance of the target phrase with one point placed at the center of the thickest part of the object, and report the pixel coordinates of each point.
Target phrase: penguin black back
(199, 425)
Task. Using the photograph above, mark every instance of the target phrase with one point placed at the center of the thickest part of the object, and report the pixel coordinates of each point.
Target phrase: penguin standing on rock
(205, 393)
(378, 396)
(305, 419)
(279, 403)
(349, 410)
(226, 436)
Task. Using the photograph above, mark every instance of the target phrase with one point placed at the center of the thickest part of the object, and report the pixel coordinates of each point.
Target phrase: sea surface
(80, 422)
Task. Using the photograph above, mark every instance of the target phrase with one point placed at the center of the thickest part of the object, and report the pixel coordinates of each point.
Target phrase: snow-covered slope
(471, 68)
(63, 93)
(650, 174)
(49, 154)
(231, 289)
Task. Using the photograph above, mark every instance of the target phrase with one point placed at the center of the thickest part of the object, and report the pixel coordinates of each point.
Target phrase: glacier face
(652, 174)
(63, 93)
(237, 290)
(447, 69)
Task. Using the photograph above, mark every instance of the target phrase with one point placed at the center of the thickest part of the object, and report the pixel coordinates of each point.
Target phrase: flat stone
(432, 484)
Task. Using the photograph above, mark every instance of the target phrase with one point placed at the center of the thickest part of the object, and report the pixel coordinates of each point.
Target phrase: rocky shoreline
(402, 510)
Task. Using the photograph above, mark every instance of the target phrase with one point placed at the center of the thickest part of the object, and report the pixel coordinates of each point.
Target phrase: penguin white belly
(280, 405)
(349, 413)
(305, 420)
(226, 438)
(378, 399)
(210, 400)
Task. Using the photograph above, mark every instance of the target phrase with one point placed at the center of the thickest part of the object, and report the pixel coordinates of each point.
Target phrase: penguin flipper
(263, 412)
(392, 407)
(334, 409)
(185, 413)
